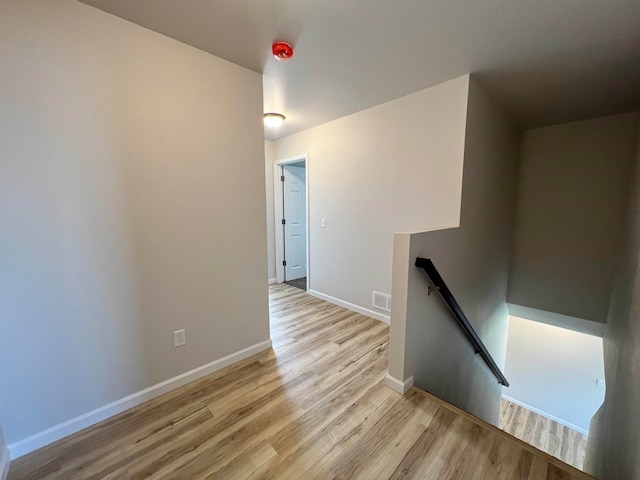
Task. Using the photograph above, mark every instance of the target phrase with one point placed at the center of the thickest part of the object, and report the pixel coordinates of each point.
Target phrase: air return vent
(382, 301)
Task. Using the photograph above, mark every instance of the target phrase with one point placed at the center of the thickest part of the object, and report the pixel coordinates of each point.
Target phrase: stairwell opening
(557, 385)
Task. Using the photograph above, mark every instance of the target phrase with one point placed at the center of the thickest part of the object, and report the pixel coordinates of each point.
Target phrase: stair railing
(441, 287)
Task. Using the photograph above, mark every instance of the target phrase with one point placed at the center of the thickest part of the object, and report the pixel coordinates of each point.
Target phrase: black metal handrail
(439, 285)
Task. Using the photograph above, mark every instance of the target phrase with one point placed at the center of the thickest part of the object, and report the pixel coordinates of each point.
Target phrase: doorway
(292, 239)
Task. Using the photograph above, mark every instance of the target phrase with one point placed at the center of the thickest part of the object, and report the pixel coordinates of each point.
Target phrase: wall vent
(382, 301)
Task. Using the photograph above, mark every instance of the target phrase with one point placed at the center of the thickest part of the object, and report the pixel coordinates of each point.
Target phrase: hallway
(315, 406)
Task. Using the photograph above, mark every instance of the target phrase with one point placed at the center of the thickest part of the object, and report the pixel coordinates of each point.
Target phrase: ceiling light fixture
(273, 120)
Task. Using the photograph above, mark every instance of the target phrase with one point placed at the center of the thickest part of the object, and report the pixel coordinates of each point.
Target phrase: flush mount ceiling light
(273, 120)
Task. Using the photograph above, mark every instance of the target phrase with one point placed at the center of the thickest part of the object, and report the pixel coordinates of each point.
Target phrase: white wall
(572, 191)
(132, 204)
(4, 457)
(554, 371)
(614, 440)
(271, 240)
(393, 167)
(425, 341)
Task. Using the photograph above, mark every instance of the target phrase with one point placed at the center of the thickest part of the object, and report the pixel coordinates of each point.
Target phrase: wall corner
(399, 292)
(5, 458)
(400, 386)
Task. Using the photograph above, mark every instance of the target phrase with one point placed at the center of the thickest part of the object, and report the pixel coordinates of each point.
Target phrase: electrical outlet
(179, 338)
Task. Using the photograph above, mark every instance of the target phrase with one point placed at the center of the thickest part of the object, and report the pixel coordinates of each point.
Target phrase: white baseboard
(350, 306)
(272, 281)
(399, 386)
(74, 425)
(5, 460)
(548, 415)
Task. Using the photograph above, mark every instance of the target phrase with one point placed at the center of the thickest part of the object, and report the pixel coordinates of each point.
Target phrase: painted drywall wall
(271, 240)
(473, 261)
(122, 219)
(554, 371)
(558, 320)
(5, 459)
(614, 437)
(572, 189)
(393, 167)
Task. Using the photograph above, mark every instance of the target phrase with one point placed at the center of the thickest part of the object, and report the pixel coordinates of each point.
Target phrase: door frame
(278, 194)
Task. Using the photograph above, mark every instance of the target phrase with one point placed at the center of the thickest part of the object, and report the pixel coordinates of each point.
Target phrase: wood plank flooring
(562, 442)
(313, 407)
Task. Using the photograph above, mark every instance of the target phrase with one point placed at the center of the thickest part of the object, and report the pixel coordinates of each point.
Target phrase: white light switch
(323, 222)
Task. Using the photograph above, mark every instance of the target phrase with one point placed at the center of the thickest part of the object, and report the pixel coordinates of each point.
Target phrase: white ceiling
(546, 61)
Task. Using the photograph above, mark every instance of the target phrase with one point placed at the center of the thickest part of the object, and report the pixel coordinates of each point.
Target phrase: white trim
(272, 281)
(74, 425)
(548, 415)
(398, 385)
(278, 213)
(5, 460)
(350, 306)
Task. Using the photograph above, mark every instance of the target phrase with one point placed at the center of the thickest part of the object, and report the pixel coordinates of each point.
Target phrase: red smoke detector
(282, 50)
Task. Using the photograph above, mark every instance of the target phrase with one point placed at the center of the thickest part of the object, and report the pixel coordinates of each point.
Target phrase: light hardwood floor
(549, 436)
(314, 407)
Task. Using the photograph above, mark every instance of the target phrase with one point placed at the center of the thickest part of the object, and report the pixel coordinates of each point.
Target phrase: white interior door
(295, 226)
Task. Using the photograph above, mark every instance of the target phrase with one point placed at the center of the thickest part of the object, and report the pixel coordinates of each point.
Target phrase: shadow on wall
(4, 457)
(614, 440)
(455, 373)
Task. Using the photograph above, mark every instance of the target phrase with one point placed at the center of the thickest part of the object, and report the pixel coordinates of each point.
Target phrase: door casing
(295, 227)
(278, 209)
